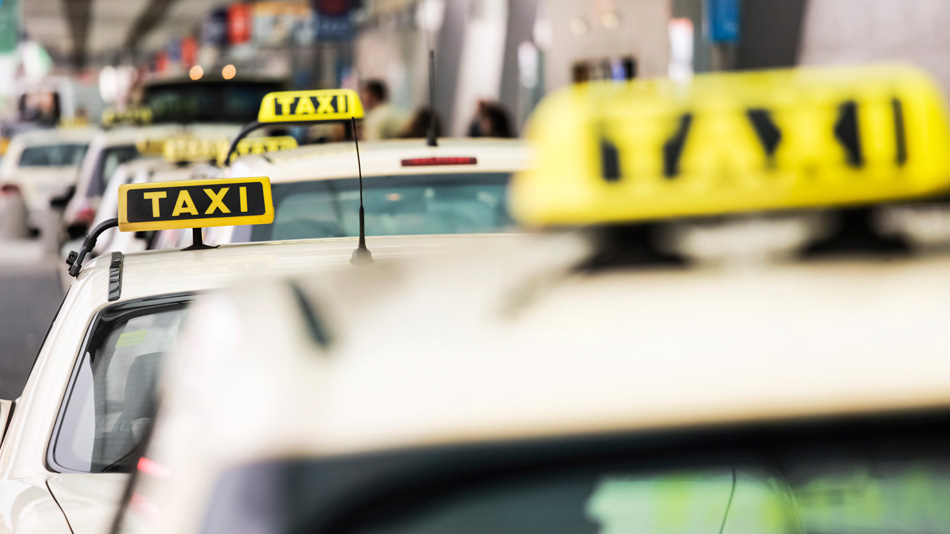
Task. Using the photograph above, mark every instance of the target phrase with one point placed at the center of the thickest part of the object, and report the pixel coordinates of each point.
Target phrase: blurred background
(67, 59)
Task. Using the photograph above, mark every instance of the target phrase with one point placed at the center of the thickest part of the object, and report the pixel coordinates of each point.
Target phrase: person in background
(383, 119)
(418, 125)
(491, 120)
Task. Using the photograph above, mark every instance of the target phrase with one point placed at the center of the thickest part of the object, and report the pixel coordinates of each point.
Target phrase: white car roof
(171, 271)
(128, 135)
(54, 136)
(435, 355)
(382, 158)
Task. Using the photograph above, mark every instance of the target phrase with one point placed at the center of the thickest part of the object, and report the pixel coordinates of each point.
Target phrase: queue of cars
(388, 356)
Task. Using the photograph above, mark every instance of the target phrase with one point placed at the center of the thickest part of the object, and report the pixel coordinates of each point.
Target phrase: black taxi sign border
(311, 106)
(195, 204)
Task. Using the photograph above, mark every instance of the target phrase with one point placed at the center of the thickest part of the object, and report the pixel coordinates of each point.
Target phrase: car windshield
(778, 482)
(394, 205)
(59, 155)
(108, 407)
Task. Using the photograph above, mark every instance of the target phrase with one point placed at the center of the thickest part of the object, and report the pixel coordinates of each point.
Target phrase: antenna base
(361, 256)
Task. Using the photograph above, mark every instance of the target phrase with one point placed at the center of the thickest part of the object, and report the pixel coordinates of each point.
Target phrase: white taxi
(180, 157)
(44, 164)
(111, 148)
(573, 389)
(410, 187)
(68, 441)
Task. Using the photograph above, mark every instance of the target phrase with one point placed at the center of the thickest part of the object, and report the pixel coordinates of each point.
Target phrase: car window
(108, 407)
(61, 155)
(469, 203)
(109, 161)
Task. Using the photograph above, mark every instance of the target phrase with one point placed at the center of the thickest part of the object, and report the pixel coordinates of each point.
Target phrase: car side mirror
(6, 412)
(60, 201)
(77, 231)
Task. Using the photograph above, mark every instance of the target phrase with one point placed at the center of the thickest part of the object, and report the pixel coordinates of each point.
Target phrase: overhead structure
(85, 33)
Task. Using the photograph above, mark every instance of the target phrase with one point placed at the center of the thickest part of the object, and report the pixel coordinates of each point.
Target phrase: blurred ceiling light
(681, 49)
(228, 72)
(611, 21)
(108, 82)
(196, 72)
(529, 60)
(36, 61)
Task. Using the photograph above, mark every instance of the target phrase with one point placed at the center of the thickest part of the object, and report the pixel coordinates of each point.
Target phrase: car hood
(90, 501)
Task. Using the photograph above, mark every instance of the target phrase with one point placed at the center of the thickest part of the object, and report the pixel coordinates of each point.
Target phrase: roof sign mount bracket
(196, 241)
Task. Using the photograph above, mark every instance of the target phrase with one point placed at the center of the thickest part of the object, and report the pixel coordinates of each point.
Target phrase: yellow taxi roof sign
(195, 204)
(311, 106)
(186, 148)
(258, 145)
(738, 142)
(134, 115)
(150, 147)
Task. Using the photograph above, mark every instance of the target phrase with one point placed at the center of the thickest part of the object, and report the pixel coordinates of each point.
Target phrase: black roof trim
(115, 276)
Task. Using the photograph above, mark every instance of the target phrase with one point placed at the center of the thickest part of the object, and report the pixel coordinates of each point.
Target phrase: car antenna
(431, 139)
(431, 134)
(361, 255)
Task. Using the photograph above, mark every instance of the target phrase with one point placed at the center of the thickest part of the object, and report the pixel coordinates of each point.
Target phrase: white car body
(40, 183)
(140, 171)
(493, 349)
(376, 159)
(97, 166)
(35, 497)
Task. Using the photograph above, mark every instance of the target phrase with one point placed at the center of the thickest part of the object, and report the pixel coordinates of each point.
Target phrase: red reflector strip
(151, 467)
(424, 162)
(9, 189)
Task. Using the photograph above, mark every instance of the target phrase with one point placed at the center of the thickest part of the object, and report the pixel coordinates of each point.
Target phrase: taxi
(179, 157)
(43, 164)
(410, 187)
(113, 147)
(67, 444)
(566, 387)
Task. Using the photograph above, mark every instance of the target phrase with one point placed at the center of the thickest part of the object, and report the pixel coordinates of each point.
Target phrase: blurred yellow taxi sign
(258, 145)
(724, 143)
(150, 147)
(187, 149)
(134, 116)
(311, 106)
(195, 204)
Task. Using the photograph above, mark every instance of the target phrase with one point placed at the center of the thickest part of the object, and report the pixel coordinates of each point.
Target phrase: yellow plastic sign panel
(181, 149)
(141, 115)
(258, 145)
(150, 147)
(610, 152)
(195, 204)
(311, 106)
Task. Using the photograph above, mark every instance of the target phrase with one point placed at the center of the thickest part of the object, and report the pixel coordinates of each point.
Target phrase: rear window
(471, 203)
(781, 481)
(61, 155)
(235, 102)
